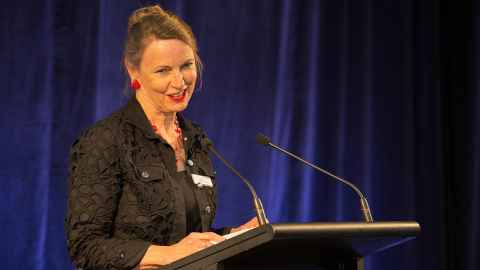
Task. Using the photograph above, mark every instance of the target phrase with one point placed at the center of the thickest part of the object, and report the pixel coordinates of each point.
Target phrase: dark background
(382, 92)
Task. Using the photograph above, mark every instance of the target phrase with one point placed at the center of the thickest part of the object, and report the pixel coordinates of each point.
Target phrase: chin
(180, 107)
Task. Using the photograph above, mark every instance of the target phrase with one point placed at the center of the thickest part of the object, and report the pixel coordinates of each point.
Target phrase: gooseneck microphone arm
(260, 212)
(365, 208)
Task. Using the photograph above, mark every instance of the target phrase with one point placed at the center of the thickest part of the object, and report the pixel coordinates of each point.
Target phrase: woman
(132, 197)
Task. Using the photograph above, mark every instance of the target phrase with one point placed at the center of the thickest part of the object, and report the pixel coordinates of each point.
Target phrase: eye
(187, 65)
(162, 70)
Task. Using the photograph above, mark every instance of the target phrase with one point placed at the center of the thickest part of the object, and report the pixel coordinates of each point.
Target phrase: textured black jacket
(122, 196)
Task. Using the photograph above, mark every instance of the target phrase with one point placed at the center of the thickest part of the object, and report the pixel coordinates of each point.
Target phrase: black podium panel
(301, 246)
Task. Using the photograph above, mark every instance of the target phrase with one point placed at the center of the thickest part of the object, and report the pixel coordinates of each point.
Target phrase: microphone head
(262, 139)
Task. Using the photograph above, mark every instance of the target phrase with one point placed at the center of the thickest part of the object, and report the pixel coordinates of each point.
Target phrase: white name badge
(202, 181)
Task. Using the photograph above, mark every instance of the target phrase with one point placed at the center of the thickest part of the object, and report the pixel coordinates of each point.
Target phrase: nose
(178, 81)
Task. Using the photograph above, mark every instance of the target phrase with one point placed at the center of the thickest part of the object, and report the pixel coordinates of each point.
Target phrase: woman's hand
(252, 223)
(161, 255)
(195, 242)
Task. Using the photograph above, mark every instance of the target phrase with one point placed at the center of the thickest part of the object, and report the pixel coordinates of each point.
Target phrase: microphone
(260, 212)
(367, 215)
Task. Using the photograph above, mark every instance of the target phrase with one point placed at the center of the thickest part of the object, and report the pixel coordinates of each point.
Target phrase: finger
(201, 244)
(214, 237)
(198, 236)
(207, 236)
(253, 221)
(150, 266)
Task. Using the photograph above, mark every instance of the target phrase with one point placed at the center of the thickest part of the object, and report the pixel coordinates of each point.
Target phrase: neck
(164, 121)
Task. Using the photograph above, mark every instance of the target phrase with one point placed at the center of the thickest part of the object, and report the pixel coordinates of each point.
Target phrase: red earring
(135, 84)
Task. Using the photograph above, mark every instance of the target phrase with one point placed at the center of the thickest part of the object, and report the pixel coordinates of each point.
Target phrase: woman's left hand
(252, 223)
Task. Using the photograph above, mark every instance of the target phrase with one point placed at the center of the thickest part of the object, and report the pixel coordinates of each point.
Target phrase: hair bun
(140, 13)
(151, 23)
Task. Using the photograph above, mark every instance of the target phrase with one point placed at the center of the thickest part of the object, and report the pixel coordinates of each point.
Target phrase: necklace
(178, 148)
(177, 143)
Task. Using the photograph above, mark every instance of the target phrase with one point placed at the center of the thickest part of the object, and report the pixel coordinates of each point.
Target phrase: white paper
(231, 235)
(202, 181)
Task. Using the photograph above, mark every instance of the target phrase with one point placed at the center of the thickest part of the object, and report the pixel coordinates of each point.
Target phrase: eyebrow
(167, 66)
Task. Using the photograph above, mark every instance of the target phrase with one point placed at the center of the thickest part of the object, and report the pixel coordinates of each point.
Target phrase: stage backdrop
(381, 92)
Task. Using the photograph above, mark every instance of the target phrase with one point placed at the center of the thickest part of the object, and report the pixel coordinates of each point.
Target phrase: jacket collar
(135, 115)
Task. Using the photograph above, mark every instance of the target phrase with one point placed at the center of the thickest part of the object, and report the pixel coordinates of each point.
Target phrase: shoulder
(192, 127)
(197, 129)
(96, 150)
(196, 133)
(102, 136)
(102, 131)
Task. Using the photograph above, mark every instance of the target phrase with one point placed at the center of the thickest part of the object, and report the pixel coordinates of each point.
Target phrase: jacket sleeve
(93, 196)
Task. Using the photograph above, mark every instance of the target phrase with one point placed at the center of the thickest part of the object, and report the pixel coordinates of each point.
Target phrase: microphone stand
(259, 210)
(365, 208)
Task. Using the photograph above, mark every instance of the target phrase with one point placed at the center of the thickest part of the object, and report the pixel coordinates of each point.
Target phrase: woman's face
(167, 74)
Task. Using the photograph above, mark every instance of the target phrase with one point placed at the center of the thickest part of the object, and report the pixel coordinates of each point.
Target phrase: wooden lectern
(339, 246)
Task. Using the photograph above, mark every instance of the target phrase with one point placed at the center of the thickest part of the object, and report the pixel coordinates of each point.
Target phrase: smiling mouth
(178, 97)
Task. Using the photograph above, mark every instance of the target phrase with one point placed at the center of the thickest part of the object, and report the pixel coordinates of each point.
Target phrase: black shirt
(191, 207)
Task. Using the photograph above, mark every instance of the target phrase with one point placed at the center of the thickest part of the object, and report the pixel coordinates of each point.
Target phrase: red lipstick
(178, 99)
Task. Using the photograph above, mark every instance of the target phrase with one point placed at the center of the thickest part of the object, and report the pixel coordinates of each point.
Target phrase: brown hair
(152, 22)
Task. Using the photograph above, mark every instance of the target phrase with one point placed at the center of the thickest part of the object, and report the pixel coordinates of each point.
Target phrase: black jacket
(122, 196)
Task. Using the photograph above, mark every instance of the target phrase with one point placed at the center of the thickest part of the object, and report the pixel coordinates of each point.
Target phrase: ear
(132, 71)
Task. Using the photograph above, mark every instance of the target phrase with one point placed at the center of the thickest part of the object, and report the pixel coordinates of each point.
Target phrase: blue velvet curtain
(383, 93)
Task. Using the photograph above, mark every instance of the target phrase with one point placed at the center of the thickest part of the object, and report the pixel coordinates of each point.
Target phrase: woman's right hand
(161, 255)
